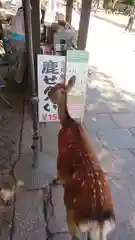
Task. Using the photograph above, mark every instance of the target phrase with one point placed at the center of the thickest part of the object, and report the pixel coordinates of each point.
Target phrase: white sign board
(51, 70)
(77, 64)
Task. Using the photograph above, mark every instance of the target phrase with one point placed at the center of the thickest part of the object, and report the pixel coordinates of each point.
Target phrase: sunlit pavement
(112, 50)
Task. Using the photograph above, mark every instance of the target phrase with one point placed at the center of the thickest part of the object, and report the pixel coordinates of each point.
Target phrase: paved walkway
(10, 136)
(117, 20)
(110, 123)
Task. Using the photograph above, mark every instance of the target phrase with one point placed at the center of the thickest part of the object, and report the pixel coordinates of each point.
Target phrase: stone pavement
(110, 123)
(110, 117)
(10, 136)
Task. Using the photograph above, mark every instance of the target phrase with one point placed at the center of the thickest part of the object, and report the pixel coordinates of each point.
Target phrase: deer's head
(59, 92)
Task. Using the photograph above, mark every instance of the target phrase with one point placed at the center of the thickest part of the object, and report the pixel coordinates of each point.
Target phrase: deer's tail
(97, 231)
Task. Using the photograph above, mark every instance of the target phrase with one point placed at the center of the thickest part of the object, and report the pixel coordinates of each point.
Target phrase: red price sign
(50, 117)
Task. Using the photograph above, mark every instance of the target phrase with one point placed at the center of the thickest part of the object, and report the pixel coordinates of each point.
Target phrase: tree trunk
(35, 15)
(84, 24)
(114, 4)
(69, 7)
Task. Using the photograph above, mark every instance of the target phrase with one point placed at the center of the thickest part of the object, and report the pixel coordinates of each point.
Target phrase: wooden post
(35, 15)
(69, 6)
(84, 24)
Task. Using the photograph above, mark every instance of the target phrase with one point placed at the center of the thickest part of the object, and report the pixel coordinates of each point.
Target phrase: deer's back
(86, 188)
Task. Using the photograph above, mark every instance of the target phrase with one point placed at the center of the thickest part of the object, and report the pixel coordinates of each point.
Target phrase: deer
(87, 195)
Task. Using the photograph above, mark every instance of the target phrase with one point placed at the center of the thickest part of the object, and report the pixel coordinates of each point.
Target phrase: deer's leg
(94, 232)
(97, 233)
(72, 226)
(89, 236)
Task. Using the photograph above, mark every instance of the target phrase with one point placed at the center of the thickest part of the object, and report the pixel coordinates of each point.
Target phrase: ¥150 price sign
(50, 117)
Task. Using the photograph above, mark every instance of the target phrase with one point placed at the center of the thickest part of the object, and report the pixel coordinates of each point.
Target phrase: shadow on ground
(106, 107)
(122, 25)
(104, 96)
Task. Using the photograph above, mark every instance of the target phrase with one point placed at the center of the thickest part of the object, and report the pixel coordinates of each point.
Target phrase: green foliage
(131, 2)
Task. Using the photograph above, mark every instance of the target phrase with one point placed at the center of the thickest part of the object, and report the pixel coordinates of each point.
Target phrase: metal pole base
(35, 178)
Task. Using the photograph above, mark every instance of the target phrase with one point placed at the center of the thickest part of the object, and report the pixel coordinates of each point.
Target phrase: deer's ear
(71, 83)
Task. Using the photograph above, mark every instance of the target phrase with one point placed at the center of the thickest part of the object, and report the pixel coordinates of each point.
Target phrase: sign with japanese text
(77, 64)
(51, 70)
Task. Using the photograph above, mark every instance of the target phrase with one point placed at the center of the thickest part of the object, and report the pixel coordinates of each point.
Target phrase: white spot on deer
(102, 199)
(92, 186)
(74, 200)
(70, 145)
(93, 181)
(99, 183)
(92, 175)
(94, 196)
(106, 178)
(94, 190)
(101, 203)
(83, 183)
(74, 176)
